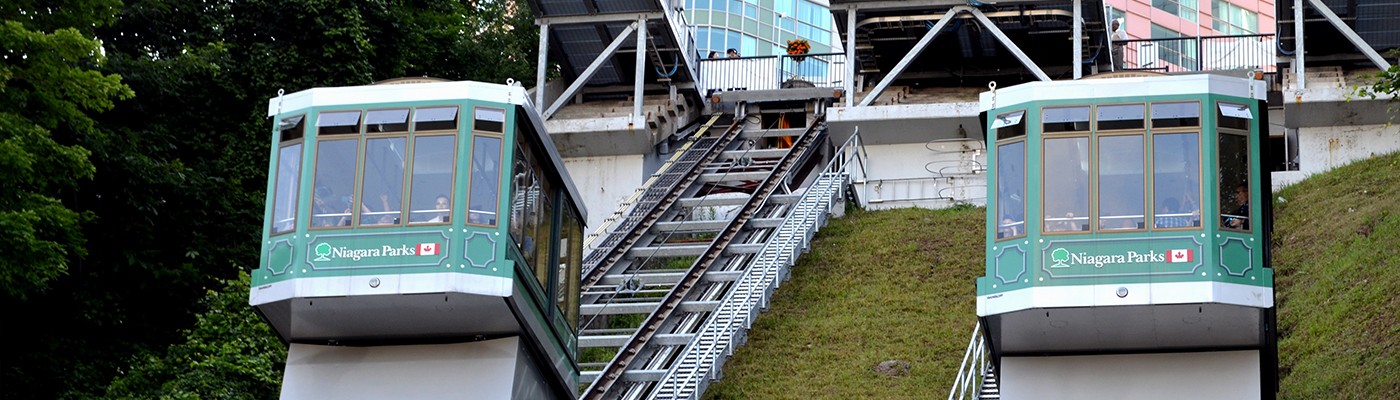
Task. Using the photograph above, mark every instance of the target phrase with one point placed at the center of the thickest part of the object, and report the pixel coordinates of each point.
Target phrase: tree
(228, 354)
(179, 171)
(47, 81)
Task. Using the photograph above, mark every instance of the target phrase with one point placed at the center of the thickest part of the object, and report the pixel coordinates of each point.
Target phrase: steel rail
(621, 240)
(626, 354)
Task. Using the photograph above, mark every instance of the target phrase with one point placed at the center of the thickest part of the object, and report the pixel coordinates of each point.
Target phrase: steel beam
(913, 54)
(850, 56)
(1009, 45)
(1350, 34)
(588, 72)
(1078, 23)
(641, 66)
(540, 70)
(1298, 43)
(598, 18)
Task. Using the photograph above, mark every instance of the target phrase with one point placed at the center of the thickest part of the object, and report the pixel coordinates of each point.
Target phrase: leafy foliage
(229, 354)
(47, 81)
(178, 172)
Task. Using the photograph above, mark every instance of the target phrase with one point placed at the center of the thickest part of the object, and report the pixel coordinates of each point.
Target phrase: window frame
(1146, 121)
(1200, 115)
(283, 143)
(409, 172)
(1025, 180)
(1088, 123)
(355, 186)
(1095, 200)
(413, 124)
(1090, 183)
(408, 120)
(365, 137)
(1250, 174)
(1200, 176)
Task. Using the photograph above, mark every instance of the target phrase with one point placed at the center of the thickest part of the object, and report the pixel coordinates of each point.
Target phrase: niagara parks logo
(323, 252)
(327, 252)
(1059, 256)
(1063, 258)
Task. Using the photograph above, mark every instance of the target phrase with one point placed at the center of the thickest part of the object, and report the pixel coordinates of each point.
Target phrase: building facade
(760, 27)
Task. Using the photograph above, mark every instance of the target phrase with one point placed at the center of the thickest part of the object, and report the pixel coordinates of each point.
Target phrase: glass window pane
(1234, 182)
(292, 128)
(570, 265)
(338, 123)
(431, 188)
(1233, 116)
(381, 191)
(1066, 184)
(1009, 125)
(523, 192)
(1121, 183)
(436, 118)
(544, 235)
(1065, 119)
(1121, 116)
(335, 182)
(395, 120)
(1176, 178)
(1011, 185)
(485, 180)
(284, 199)
(1168, 115)
(489, 119)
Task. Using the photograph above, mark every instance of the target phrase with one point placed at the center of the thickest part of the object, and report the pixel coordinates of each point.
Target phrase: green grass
(1336, 266)
(878, 285)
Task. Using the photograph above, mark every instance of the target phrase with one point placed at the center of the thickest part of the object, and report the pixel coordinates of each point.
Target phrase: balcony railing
(1201, 53)
(773, 72)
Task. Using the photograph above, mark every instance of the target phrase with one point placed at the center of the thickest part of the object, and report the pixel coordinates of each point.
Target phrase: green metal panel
(1092, 258)
(391, 249)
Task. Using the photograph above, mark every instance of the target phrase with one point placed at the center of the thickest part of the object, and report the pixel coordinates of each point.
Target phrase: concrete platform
(608, 128)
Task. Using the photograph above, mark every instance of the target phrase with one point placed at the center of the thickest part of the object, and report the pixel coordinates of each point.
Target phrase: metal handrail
(973, 370)
(1200, 53)
(773, 72)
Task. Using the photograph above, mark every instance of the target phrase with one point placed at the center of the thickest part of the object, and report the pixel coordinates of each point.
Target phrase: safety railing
(824, 70)
(973, 370)
(725, 328)
(1200, 53)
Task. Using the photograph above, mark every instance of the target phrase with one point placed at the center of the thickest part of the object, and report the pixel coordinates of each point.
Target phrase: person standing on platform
(1118, 36)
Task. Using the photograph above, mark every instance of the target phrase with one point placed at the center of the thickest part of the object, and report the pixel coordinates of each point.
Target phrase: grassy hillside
(1337, 270)
(898, 285)
(886, 285)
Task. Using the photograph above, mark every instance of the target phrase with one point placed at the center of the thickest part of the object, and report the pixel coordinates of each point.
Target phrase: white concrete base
(494, 369)
(605, 182)
(1232, 375)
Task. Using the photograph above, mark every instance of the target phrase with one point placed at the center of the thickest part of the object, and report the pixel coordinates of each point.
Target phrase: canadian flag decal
(431, 249)
(1179, 255)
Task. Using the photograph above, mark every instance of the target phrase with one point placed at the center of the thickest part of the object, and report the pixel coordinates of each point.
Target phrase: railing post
(1200, 51)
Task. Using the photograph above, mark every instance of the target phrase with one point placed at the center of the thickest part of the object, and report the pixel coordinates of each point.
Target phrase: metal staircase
(706, 309)
(727, 327)
(977, 377)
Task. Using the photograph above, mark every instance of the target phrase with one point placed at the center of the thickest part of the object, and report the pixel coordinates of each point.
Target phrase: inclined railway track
(652, 346)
